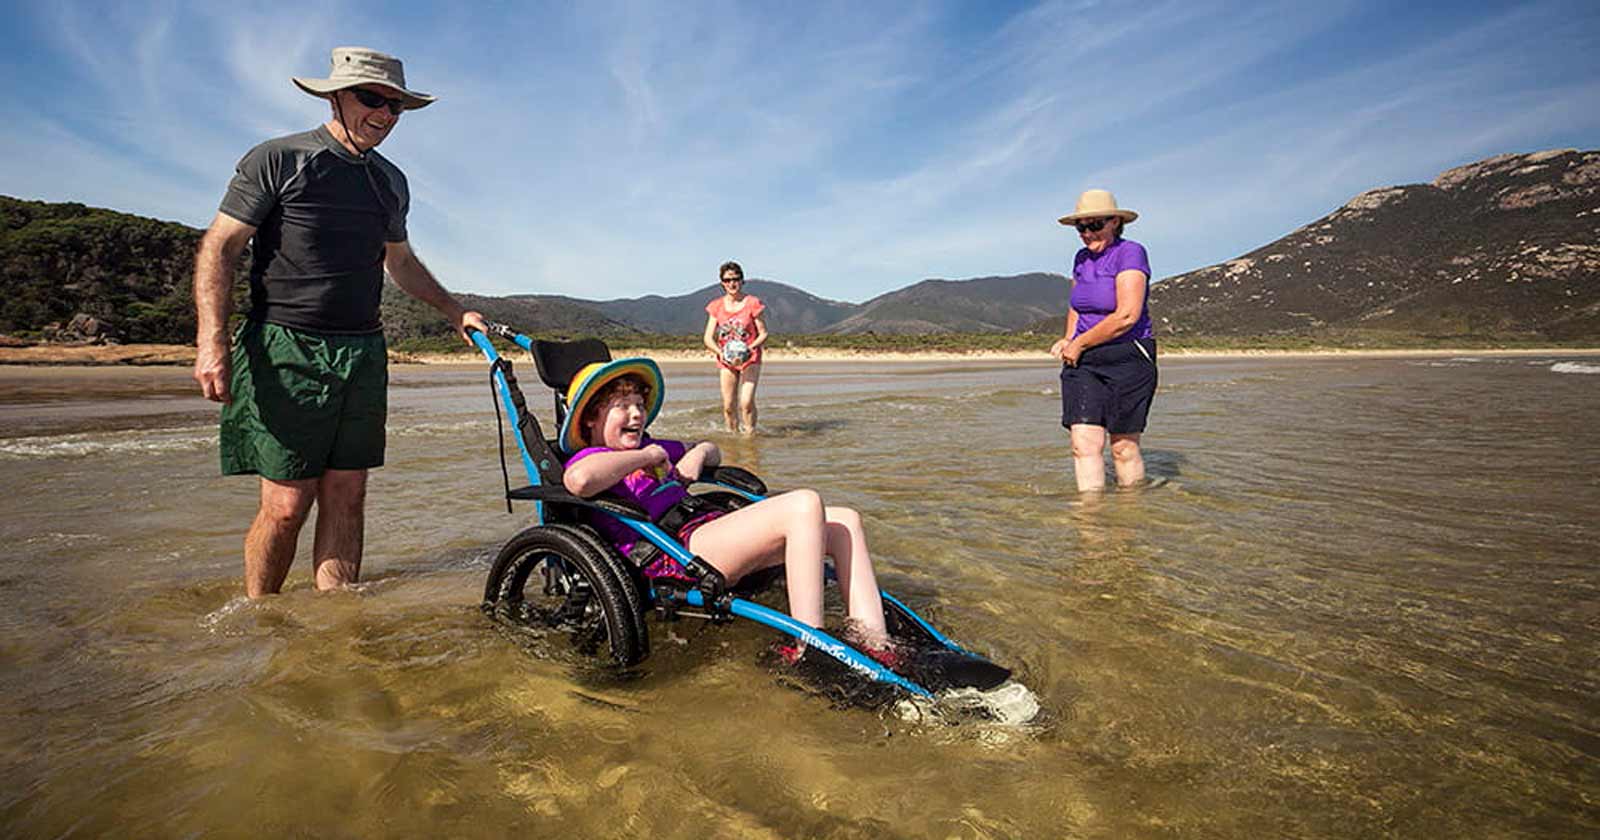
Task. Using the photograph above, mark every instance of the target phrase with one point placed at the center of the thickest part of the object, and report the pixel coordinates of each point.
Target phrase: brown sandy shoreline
(182, 355)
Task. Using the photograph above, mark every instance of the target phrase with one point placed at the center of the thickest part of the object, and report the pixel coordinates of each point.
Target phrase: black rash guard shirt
(322, 216)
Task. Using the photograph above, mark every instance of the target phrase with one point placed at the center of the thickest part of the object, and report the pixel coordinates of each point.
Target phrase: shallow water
(1361, 600)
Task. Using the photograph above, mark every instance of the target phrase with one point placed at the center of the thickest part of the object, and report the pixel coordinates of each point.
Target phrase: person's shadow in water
(1160, 466)
(800, 428)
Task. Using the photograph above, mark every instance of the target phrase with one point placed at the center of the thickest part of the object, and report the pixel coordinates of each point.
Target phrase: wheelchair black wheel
(633, 587)
(562, 578)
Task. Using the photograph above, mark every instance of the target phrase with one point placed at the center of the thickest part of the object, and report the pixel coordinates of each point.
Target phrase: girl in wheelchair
(612, 452)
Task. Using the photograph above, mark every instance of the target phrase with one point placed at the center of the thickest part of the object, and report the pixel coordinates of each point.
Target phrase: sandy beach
(173, 354)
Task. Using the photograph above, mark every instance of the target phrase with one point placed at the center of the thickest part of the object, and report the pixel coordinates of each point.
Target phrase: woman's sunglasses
(1091, 227)
(378, 100)
(727, 280)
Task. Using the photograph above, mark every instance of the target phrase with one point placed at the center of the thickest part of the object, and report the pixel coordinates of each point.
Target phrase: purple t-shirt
(1094, 286)
(651, 490)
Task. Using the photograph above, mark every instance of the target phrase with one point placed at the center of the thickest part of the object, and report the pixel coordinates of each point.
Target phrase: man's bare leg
(269, 545)
(341, 527)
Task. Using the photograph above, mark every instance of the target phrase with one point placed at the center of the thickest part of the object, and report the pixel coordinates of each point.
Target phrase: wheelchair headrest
(559, 361)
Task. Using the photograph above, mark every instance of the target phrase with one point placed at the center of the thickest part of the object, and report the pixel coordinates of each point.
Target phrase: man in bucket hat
(303, 382)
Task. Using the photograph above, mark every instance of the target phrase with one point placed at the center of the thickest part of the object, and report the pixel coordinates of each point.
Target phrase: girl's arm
(761, 332)
(701, 455)
(709, 339)
(594, 474)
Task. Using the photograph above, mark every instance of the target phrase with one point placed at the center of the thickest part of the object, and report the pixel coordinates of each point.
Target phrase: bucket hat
(590, 379)
(354, 66)
(1097, 204)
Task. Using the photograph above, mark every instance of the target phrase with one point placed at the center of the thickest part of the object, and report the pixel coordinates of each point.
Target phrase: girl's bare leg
(729, 379)
(748, 378)
(847, 545)
(788, 529)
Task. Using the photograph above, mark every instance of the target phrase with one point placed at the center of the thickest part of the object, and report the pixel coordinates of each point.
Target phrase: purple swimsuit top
(654, 490)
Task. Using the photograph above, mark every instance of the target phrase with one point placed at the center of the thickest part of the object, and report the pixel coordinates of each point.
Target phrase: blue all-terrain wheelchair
(560, 576)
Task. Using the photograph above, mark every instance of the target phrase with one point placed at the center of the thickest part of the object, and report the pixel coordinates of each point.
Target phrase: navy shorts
(1111, 387)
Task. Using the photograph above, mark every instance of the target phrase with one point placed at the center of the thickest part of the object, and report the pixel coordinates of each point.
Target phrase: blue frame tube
(805, 632)
(504, 390)
(811, 636)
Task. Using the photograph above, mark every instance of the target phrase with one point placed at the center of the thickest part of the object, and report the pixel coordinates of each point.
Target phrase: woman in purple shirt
(1108, 354)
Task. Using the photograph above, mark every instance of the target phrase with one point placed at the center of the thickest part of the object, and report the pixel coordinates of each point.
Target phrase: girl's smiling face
(619, 422)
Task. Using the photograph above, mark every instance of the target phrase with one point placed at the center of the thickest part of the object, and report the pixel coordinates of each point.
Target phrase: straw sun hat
(590, 379)
(353, 66)
(1097, 204)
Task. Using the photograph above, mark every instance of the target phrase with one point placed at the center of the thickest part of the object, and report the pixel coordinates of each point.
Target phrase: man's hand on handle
(470, 318)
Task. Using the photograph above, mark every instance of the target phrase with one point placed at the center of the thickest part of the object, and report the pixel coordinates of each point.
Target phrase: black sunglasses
(1091, 227)
(733, 279)
(378, 100)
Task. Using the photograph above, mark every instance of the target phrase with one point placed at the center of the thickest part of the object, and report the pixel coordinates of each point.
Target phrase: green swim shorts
(304, 403)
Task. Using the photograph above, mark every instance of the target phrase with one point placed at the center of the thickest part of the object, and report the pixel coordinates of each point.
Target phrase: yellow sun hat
(1097, 204)
(590, 379)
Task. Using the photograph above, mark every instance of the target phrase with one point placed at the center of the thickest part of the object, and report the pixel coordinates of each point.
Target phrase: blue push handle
(503, 389)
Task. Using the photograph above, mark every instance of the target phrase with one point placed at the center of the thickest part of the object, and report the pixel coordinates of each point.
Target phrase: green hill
(61, 260)
(134, 275)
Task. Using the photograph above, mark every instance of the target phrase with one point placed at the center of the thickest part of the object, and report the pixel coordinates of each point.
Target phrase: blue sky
(615, 149)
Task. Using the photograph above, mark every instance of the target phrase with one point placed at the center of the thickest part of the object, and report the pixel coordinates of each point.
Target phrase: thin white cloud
(609, 150)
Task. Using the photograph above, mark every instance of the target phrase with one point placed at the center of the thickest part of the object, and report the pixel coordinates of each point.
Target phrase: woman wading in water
(735, 332)
(1108, 354)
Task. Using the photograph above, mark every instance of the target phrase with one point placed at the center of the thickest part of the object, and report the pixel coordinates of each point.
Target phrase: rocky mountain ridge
(1507, 246)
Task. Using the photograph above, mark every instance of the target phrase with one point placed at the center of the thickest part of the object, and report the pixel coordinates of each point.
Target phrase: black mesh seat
(560, 361)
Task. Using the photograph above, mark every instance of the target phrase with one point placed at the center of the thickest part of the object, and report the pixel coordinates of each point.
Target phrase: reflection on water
(1357, 598)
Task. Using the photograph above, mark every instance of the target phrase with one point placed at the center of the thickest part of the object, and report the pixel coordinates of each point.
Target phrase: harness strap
(501, 364)
(683, 512)
(643, 553)
(713, 585)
